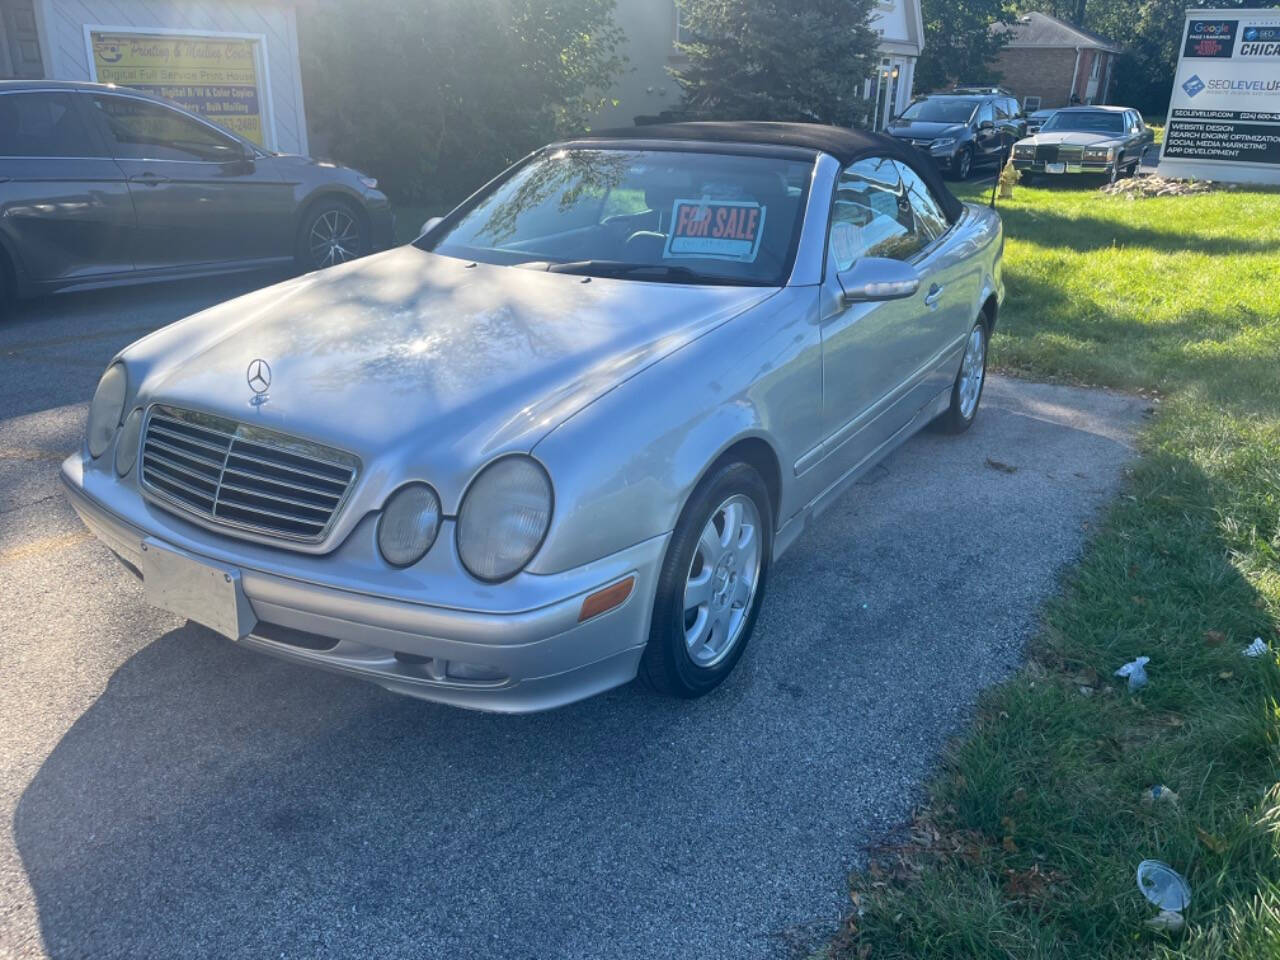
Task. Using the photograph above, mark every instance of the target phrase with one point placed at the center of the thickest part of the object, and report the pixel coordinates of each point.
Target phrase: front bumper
(512, 662)
(382, 221)
(1035, 166)
(945, 159)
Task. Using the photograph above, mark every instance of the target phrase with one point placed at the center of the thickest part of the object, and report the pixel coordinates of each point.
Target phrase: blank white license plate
(1055, 168)
(191, 588)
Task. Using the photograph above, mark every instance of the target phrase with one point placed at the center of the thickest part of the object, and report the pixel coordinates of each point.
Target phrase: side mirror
(987, 125)
(430, 224)
(872, 279)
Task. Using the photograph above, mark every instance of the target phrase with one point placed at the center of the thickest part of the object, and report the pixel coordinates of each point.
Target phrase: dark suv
(102, 185)
(961, 131)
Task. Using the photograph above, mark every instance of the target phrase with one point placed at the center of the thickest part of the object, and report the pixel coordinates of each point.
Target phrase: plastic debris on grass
(1136, 671)
(1159, 794)
(1255, 649)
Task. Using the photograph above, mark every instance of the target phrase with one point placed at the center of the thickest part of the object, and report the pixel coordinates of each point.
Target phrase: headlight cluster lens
(127, 445)
(409, 523)
(1024, 150)
(504, 517)
(106, 409)
(1098, 154)
(942, 143)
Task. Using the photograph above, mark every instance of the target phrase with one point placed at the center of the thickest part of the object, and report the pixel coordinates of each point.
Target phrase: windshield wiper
(648, 271)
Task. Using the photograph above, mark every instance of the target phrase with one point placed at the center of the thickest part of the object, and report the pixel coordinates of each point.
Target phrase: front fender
(624, 466)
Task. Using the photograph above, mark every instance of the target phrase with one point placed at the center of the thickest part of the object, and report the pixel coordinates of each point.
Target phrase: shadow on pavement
(215, 802)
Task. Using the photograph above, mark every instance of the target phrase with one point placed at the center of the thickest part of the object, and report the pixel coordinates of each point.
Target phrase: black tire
(964, 164)
(340, 220)
(954, 419)
(667, 665)
(1028, 179)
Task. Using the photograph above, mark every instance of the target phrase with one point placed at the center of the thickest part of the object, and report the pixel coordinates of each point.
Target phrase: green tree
(777, 60)
(435, 96)
(959, 43)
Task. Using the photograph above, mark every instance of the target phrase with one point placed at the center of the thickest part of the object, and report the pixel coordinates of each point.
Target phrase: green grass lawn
(1029, 842)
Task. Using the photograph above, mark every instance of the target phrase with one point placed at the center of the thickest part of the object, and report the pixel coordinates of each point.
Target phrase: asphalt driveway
(168, 794)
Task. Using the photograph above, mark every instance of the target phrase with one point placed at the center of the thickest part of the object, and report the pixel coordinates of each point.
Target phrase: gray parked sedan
(560, 438)
(104, 185)
(1091, 140)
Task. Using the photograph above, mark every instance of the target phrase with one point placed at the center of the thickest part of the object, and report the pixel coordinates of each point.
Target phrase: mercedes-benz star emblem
(259, 377)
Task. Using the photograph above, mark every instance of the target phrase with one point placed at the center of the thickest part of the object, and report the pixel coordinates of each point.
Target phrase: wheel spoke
(696, 636)
(697, 592)
(732, 514)
(709, 546)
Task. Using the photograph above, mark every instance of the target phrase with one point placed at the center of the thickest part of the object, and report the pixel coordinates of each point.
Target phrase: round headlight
(106, 408)
(503, 517)
(409, 523)
(127, 444)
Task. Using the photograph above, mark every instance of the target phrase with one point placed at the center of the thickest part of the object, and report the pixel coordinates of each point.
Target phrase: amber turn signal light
(602, 601)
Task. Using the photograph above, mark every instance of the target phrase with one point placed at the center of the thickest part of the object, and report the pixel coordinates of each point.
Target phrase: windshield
(664, 215)
(1089, 121)
(940, 111)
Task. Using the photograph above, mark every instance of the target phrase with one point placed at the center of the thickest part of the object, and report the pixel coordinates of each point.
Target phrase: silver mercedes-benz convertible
(559, 439)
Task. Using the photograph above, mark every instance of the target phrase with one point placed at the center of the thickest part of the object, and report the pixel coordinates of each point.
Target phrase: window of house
(682, 34)
(1096, 70)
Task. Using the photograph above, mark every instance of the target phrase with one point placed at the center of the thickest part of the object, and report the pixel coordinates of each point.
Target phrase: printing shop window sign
(1224, 115)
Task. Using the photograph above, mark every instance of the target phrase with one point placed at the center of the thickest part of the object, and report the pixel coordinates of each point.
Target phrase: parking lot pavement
(168, 794)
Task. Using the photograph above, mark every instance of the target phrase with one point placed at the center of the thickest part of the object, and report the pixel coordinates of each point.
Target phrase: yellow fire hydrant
(1008, 177)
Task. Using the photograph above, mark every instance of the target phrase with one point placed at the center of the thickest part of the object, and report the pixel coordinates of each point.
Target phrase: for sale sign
(1224, 116)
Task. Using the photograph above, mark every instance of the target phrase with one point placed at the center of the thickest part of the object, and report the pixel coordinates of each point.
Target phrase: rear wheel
(966, 392)
(332, 232)
(712, 583)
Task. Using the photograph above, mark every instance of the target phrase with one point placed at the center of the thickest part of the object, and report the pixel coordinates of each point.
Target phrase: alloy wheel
(334, 238)
(722, 580)
(972, 371)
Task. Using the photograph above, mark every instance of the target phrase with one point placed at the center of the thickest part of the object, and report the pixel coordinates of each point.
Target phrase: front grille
(244, 476)
(1047, 153)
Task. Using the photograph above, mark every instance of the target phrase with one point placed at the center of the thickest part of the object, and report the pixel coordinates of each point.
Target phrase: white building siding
(63, 29)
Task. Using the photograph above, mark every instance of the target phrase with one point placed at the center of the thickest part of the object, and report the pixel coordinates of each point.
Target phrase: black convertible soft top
(842, 143)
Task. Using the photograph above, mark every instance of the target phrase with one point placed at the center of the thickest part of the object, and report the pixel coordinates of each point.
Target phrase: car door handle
(931, 298)
(150, 179)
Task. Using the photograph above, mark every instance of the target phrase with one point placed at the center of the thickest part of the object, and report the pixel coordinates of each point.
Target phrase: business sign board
(214, 76)
(1224, 116)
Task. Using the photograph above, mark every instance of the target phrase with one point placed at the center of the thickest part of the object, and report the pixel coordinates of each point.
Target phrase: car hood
(1079, 138)
(920, 130)
(426, 365)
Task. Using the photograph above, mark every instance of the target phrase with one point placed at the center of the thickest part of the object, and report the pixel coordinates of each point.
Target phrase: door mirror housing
(987, 125)
(430, 224)
(873, 279)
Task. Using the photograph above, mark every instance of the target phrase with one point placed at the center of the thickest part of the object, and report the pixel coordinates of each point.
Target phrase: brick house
(1059, 63)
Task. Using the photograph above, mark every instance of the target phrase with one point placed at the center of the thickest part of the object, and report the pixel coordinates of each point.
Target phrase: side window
(871, 216)
(985, 114)
(43, 125)
(928, 213)
(148, 131)
(1002, 110)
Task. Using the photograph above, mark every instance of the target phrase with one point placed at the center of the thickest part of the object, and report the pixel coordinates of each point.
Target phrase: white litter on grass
(1136, 671)
(1163, 885)
(1167, 921)
(1255, 649)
